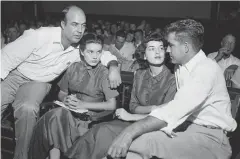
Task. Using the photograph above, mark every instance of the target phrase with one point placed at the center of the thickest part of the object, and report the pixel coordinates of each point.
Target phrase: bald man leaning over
(32, 61)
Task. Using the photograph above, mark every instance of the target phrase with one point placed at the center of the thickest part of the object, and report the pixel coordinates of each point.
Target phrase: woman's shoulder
(140, 72)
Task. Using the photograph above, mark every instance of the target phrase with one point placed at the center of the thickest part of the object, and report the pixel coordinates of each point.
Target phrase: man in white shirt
(194, 124)
(224, 55)
(122, 50)
(32, 61)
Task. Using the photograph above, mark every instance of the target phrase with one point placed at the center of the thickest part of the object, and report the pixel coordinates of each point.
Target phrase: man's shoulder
(49, 31)
(207, 67)
(234, 58)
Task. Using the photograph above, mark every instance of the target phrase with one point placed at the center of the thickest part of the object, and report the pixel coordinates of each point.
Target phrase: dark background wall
(157, 13)
(198, 9)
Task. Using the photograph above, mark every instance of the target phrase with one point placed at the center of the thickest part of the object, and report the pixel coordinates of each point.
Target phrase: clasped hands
(73, 102)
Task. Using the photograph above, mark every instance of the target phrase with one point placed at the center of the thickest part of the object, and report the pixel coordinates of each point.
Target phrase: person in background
(122, 50)
(84, 86)
(29, 65)
(3, 41)
(130, 36)
(152, 86)
(133, 27)
(22, 28)
(138, 36)
(12, 33)
(224, 55)
(195, 123)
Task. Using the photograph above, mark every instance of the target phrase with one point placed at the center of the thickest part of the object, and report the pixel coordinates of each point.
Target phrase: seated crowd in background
(140, 49)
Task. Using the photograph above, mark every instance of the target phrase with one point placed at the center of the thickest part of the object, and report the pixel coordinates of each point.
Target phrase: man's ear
(63, 24)
(186, 47)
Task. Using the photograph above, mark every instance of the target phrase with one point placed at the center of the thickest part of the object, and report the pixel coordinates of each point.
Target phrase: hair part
(187, 30)
(89, 38)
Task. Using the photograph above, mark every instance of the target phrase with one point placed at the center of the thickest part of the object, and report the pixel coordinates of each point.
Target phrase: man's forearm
(143, 126)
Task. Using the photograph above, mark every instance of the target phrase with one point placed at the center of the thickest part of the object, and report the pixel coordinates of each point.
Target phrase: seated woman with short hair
(83, 86)
(152, 86)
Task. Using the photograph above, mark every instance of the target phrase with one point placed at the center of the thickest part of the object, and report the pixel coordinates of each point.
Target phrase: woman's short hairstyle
(156, 37)
(90, 38)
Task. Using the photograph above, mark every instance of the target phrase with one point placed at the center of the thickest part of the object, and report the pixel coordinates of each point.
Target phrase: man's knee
(27, 109)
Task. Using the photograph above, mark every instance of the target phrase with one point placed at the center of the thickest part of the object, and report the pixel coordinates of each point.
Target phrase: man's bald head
(71, 10)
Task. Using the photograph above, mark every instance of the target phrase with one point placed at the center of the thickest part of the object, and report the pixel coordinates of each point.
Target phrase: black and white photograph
(120, 79)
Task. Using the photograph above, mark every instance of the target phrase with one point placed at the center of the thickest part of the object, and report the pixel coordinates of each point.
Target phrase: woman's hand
(123, 114)
(73, 102)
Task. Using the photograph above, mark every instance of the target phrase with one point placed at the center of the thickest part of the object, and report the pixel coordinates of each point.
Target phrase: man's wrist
(112, 63)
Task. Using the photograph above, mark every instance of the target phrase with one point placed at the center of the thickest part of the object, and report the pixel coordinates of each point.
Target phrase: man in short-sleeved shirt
(224, 56)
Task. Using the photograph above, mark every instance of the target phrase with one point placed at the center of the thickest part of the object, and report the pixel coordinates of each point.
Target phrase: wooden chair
(125, 89)
(228, 73)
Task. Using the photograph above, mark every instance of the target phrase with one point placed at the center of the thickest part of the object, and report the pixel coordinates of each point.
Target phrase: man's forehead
(229, 38)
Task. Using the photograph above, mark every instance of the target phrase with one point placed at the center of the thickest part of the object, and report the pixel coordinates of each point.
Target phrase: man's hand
(221, 53)
(123, 114)
(120, 146)
(114, 77)
(73, 102)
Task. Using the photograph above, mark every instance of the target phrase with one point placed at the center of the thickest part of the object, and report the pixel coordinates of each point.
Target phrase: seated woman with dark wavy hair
(154, 85)
(83, 86)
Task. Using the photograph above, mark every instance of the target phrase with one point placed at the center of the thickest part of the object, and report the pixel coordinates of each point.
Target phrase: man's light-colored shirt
(202, 97)
(236, 77)
(40, 56)
(126, 51)
(225, 63)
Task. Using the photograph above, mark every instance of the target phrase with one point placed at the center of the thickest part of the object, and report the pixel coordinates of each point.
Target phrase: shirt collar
(159, 77)
(195, 60)
(58, 36)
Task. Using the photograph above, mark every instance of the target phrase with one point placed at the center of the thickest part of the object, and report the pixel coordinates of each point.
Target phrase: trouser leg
(9, 88)
(26, 108)
(196, 142)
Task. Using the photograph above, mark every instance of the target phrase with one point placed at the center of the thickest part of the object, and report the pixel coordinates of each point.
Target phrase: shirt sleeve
(236, 77)
(108, 92)
(188, 98)
(107, 57)
(17, 51)
(134, 101)
(172, 89)
(64, 82)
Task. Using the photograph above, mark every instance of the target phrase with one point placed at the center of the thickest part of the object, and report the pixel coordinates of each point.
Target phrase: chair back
(228, 73)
